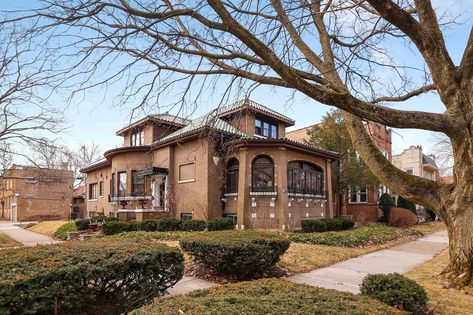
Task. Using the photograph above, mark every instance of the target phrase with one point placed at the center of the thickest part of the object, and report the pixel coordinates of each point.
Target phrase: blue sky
(96, 120)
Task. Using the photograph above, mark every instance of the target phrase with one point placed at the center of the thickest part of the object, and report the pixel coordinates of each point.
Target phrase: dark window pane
(265, 129)
(304, 178)
(263, 175)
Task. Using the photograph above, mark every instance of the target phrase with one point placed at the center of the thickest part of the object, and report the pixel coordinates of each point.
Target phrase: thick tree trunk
(458, 215)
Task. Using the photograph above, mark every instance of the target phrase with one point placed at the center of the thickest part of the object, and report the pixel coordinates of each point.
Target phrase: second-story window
(137, 138)
(121, 183)
(93, 191)
(266, 129)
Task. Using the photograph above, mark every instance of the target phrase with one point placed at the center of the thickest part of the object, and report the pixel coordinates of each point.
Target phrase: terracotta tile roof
(247, 103)
(79, 191)
(163, 118)
(209, 121)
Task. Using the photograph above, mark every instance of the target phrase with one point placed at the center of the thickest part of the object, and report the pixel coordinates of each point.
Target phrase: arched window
(305, 178)
(231, 176)
(262, 174)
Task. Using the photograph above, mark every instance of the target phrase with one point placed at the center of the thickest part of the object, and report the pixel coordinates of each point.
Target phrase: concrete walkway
(27, 238)
(348, 275)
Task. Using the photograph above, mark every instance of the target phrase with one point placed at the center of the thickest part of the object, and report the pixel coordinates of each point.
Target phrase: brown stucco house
(235, 162)
(360, 202)
(30, 193)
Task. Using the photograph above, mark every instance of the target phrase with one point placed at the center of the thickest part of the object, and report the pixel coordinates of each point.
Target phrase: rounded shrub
(313, 226)
(107, 276)
(333, 224)
(220, 224)
(82, 224)
(347, 223)
(61, 232)
(194, 225)
(395, 290)
(102, 218)
(386, 203)
(239, 254)
(267, 296)
(115, 227)
(168, 224)
(148, 225)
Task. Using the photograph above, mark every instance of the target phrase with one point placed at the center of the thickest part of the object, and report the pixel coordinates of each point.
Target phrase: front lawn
(47, 227)
(303, 257)
(268, 296)
(6, 241)
(446, 301)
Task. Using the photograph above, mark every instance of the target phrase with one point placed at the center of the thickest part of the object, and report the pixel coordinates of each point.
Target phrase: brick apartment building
(235, 162)
(30, 193)
(361, 203)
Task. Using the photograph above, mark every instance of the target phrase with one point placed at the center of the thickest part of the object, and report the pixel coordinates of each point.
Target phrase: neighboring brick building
(234, 162)
(78, 206)
(30, 193)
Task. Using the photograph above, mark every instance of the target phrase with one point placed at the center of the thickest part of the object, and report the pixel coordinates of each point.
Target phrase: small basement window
(186, 216)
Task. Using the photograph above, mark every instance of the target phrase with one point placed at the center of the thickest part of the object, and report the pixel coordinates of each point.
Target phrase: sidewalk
(27, 238)
(348, 275)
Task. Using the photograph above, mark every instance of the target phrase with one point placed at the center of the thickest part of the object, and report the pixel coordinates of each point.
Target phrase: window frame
(186, 216)
(119, 190)
(264, 128)
(358, 195)
(312, 176)
(260, 168)
(135, 184)
(101, 188)
(137, 138)
(93, 191)
(232, 172)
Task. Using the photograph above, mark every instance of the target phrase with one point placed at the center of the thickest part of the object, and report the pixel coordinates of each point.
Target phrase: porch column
(281, 180)
(243, 191)
(328, 187)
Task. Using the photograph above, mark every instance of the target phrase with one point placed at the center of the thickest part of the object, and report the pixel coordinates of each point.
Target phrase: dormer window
(137, 138)
(266, 129)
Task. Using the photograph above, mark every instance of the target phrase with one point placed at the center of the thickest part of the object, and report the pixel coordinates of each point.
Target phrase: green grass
(61, 232)
(268, 296)
(6, 241)
(364, 236)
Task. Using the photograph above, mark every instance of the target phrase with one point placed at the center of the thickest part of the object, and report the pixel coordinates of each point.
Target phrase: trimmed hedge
(369, 235)
(61, 232)
(69, 278)
(148, 225)
(168, 224)
(395, 290)
(102, 218)
(330, 224)
(236, 253)
(220, 224)
(267, 296)
(194, 225)
(116, 227)
(82, 224)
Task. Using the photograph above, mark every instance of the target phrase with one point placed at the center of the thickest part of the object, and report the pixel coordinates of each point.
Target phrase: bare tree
(85, 155)
(444, 154)
(26, 81)
(334, 52)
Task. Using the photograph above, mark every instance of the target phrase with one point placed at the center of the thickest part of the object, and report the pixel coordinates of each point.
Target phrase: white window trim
(358, 195)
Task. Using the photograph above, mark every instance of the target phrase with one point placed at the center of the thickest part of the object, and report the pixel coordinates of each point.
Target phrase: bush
(313, 226)
(431, 215)
(82, 224)
(69, 278)
(347, 223)
(267, 296)
(220, 224)
(406, 204)
(168, 224)
(61, 232)
(334, 224)
(149, 225)
(395, 290)
(330, 224)
(194, 225)
(386, 203)
(400, 217)
(102, 218)
(369, 235)
(115, 227)
(235, 253)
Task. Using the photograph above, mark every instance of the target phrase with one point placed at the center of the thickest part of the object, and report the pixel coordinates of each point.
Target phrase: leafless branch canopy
(335, 52)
